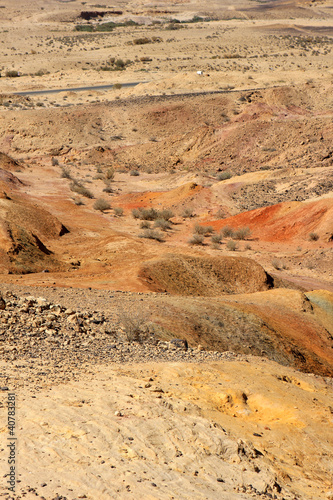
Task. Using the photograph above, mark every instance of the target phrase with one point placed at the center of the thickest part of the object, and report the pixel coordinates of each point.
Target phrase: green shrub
(101, 205)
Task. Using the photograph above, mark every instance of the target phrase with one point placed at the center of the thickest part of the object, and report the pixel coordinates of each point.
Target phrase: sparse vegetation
(151, 214)
(135, 324)
(216, 238)
(242, 233)
(55, 162)
(134, 173)
(313, 237)
(145, 225)
(222, 176)
(66, 173)
(232, 246)
(12, 74)
(162, 224)
(203, 230)
(101, 205)
(197, 239)
(78, 188)
(187, 213)
(118, 211)
(152, 235)
(227, 232)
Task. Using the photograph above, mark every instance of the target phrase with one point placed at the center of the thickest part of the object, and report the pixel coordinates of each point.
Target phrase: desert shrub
(216, 246)
(134, 173)
(247, 247)
(242, 233)
(222, 176)
(187, 213)
(101, 205)
(135, 324)
(152, 235)
(278, 264)
(54, 162)
(145, 225)
(166, 214)
(216, 238)
(141, 41)
(12, 74)
(227, 231)
(145, 59)
(99, 177)
(203, 230)
(66, 173)
(118, 211)
(197, 239)
(108, 189)
(232, 245)
(313, 237)
(162, 224)
(42, 72)
(117, 86)
(79, 189)
(110, 174)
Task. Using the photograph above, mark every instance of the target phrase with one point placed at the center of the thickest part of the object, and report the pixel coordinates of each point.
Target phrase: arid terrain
(166, 249)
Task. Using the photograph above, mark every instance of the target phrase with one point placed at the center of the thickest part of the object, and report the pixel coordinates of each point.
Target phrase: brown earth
(246, 142)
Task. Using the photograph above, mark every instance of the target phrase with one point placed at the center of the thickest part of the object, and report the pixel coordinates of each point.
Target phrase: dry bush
(203, 230)
(187, 213)
(77, 187)
(101, 205)
(162, 224)
(134, 173)
(232, 246)
(135, 324)
(216, 238)
(197, 239)
(145, 225)
(313, 237)
(152, 235)
(223, 176)
(66, 173)
(110, 174)
(242, 233)
(227, 232)
(118, 211)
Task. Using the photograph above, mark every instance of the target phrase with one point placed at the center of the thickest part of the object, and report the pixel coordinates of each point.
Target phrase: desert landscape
(166, 249)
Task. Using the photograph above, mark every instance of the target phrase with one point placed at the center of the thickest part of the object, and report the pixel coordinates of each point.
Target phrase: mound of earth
(204, 276)
(8, 163)
(286, 221)
(25, 230)
(286, 326)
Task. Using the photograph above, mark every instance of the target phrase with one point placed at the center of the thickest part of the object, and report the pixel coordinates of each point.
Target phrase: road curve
(75, 89)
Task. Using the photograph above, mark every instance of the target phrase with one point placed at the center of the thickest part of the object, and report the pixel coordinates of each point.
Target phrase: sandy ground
(261, 110)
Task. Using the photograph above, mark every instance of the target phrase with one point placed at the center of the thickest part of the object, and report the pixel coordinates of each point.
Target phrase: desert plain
(166, 249)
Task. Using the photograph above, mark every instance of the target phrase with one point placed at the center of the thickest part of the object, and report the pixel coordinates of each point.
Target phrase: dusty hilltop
(166, 250)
